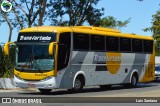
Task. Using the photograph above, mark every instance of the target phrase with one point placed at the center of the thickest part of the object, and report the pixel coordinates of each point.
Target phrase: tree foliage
(7, 63)
(25, 13)
(4, 18)
(77, 11)
(155, 28)
(111, 22)
(30, 12)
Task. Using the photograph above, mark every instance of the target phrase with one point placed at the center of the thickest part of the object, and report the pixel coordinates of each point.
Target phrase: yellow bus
(51, 57)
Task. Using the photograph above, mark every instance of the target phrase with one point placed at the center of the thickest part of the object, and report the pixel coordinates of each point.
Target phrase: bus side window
(148, 46)
(64, 50)
(136, 45)
(125, 45)
(81, 41)
(97, 43)
(112, 44)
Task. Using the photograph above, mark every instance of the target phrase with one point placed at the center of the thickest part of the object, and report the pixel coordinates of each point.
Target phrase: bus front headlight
(47, 78)
(18, 77)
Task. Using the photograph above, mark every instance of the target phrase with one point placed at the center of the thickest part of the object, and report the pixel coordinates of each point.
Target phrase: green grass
(7, 74)
(157, 53)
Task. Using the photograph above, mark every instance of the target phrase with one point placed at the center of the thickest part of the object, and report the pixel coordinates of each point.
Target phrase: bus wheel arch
(79, 81)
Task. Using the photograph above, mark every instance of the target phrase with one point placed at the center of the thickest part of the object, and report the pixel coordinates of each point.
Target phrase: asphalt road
(117, 94)
(142, 90)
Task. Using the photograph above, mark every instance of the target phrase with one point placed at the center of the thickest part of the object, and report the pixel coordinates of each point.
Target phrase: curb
(7, 83)
(18, 89)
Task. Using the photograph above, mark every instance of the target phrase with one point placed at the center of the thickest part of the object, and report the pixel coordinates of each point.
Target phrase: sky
(139, 12)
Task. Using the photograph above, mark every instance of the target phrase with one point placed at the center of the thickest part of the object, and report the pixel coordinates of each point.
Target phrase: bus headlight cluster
(18, 77)
(47, 78)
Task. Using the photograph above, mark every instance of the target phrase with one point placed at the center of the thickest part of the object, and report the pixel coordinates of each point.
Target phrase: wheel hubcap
(77, 84)
(134, 80)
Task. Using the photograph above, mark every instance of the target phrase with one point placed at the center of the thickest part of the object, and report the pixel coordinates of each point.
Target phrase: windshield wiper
(28, 63)
(37, 66)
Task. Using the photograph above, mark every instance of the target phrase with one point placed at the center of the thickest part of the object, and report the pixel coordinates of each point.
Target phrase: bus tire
(45, 91)
(134, 80)
(78, 84)
(105, 87)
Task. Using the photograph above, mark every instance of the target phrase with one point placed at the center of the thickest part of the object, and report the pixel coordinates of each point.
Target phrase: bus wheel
(104, 87)
(78, 84)
(45, 91)
(134, 80)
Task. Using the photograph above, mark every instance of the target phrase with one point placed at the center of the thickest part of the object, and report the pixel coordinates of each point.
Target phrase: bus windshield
(34, 57)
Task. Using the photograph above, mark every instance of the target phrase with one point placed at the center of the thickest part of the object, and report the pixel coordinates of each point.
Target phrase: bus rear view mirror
(52, 48)
(6, 47)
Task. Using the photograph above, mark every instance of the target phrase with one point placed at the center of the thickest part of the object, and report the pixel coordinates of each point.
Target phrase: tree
(28, 13)
(25, 13)
(5, 18)
(111, 22)
(77, 11)
(34, 11)
(81, 11)
(155, 28)
(7, 63)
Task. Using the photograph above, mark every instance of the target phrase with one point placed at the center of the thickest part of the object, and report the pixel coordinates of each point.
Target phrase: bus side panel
(138, 65)
(149, 71)
(66, 81)
(118, 72)
(98, 72)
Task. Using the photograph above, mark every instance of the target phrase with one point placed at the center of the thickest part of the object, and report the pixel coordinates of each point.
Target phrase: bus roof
(86, 30)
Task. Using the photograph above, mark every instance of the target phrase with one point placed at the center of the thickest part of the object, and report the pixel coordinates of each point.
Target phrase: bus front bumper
(48, 83)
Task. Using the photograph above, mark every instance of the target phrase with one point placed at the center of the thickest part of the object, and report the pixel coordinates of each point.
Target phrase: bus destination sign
(36, 37)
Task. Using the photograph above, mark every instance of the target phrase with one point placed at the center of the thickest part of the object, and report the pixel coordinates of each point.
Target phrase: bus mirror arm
(51, 48)
(6, 47)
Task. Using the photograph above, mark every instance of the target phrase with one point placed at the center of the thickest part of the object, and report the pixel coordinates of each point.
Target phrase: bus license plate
(31, 85)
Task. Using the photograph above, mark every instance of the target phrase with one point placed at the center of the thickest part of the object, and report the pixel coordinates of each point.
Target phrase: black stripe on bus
(101, 68)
